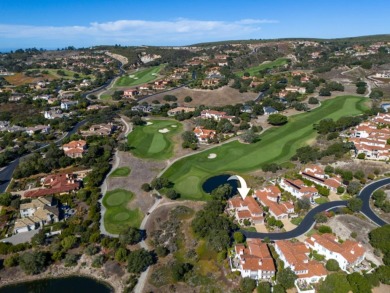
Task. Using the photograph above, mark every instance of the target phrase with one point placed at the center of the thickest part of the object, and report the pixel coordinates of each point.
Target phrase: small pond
(60, 285)
(213, 182)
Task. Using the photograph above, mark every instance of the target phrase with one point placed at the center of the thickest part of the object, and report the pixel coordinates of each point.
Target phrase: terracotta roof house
(295, 255)
(317, 175)
(180, 110)
(348, 254)
(203, 134)
(270, 197)
(247, 209)
(217, 115)
(253, 261)
(298, 189)
(130, 93)
(99, 129)
(55, 184)
(75, 148)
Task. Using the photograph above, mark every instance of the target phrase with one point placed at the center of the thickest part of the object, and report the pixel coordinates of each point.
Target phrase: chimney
(260, 262)
(352, 251)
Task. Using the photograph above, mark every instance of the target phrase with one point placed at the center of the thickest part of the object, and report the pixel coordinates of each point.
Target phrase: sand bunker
(173, 125)
(164, 130)
(212, 156)
(149, 123)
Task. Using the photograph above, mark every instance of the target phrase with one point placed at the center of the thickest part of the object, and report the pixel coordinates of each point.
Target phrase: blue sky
(60, 23)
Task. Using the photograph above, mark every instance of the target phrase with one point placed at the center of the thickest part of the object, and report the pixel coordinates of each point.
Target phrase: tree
(33, 262)
(359, 283)
(325, 92)
(161, 251)
(222, 192)
(313, 101)
(238, 237)
(332, 265)
(354, 187)
(277, 119)
(335, 283)
(355, 204)
(121, 254)
(264, 287)
(188, 99)
(324, 229)
(11, 261)
(172, 194)
(39, 238)
(247, 285)
(340, 190)
(70, 260)
(146, 187)
(170, 98)
(130, 236)
(5, 199)
(249, 136)
(179, 270)
(380, 238)
(160, 182)
(189, 140)
(286, 278)
(383, 273)
(321, 218)
(139, 260)
(303, 203)
(69, 242)
(361, 156)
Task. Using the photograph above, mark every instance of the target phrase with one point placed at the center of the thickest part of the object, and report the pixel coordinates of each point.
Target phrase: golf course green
(253, 71)
(118, 216)
(154, 140)
(139, 77)
(278, 145)
(121, 172)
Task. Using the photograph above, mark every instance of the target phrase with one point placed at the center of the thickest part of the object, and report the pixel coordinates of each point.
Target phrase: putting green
(253, 71)
(148, 142)
(118, 216)
(139, 77)
(277, 145)
(121, 172)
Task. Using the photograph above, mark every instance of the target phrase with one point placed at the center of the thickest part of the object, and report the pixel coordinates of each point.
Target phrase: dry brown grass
(21, 79)
(219, 97)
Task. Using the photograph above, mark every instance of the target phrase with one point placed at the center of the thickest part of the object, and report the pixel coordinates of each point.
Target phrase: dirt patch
(344, 225)
(219, 97)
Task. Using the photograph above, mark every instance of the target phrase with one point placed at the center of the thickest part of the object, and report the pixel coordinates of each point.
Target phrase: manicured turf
(121, 172)
(277, 145)
(117, 216)
(147, 142)
(255, 70)
(140, 77)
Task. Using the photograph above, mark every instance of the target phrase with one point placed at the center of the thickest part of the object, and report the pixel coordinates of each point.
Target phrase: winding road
(309, 221)
(6, 172)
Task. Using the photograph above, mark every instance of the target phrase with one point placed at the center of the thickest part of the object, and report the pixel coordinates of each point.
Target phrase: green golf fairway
(147, 142)
(277, 145)
(140, 77)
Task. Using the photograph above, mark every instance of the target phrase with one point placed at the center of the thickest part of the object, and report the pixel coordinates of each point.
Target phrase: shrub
(361, 156)
(332, 265)
(324, 229)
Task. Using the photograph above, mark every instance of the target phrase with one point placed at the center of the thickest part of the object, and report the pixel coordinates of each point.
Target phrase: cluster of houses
(255, 260)
(36, 214)
(251, 209)
(6, 126)
(371, 138)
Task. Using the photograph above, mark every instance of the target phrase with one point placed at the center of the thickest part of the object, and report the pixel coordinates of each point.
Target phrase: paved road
(309, 221)
(6, 172)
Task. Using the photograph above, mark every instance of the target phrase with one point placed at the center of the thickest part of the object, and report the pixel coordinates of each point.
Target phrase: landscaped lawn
(255, 70)
(121, 172)
(140, 77)
(147, 142)
(117, 216)
(277, 145)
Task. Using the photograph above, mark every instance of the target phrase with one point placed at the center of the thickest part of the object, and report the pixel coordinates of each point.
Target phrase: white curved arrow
(243, 190)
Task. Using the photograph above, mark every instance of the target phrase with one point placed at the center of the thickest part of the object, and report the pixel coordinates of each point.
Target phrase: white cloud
(181, 31)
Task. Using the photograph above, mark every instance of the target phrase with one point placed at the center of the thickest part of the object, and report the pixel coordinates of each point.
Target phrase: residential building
(180, 110)
(99, 129)
(55, 184)
(348, 253)
(246, 209)
(269, 196)
(269, 110)
(295, 255)
(216, 115)
(204, 135)
(253, 261)
(53, 114)
(37, 213)
(38, 128)
(75, 148)
(296, 89)
(66, 104)
(131, 93)
(316, 174)
(298, 189)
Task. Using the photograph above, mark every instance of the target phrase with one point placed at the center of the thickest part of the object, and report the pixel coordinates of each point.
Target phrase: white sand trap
(131, 76)
(135, 77)
(154, 74)
(164, 130)
(149, 123)
(212, 156)
(174, 125)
